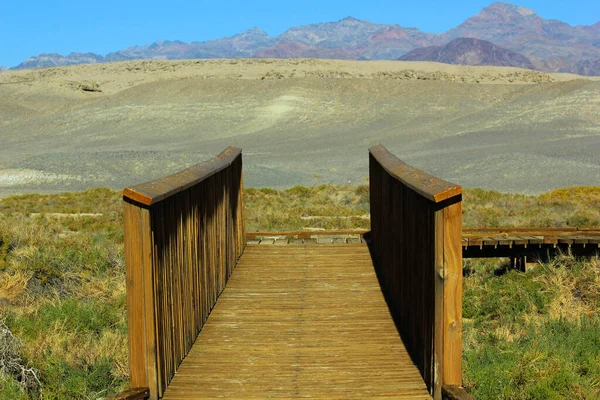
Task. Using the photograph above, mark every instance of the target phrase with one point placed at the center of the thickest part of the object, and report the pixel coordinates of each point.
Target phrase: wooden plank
(566, 240)
(489, 241)
(533, 240)
(476, 241)
(439, 327)
(520, 241)
(452, 295)
(514, 229)
(300, 321)
(511, 241)
(306, 234)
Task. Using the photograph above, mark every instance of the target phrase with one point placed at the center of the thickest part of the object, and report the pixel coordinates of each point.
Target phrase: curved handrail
(428, 186)
(159, 189)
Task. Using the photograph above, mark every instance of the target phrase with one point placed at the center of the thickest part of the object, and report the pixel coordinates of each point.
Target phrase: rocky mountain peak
(508, 9)
(254, 32)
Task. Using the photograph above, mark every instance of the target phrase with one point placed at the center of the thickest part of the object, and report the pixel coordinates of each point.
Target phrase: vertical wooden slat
(438, 331)
(149, 303)
(172, 317)
(159, 295)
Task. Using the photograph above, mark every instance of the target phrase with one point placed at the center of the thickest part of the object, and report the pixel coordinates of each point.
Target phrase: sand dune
(299, 121)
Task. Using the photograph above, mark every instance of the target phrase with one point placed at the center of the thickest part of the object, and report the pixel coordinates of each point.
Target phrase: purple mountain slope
(55, 60)
(469, 51)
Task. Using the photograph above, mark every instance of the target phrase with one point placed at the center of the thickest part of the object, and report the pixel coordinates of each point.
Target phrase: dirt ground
(299, 121)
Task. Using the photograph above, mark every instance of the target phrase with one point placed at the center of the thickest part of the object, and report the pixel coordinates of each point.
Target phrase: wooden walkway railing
(416, 222)
(185, 233)
(183, 236)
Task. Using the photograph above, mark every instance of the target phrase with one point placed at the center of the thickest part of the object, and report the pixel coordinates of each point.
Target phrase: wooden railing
(183, 236)
(416, 222)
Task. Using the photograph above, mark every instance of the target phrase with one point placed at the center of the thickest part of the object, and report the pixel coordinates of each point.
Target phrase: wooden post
(453, 273)
(140, 298)
(448, 296)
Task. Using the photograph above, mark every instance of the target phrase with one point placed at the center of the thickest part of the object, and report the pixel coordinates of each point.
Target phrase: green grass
(62, 290)
(533, 335)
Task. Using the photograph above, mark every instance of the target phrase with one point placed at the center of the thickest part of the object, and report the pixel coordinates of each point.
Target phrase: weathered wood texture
(300, 321)
(183, 236)
(416, 246)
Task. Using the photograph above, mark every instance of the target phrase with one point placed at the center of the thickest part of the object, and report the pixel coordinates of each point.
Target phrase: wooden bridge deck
(299, 321)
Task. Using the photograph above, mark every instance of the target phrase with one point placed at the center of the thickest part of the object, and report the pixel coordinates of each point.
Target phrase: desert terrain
(299, 121)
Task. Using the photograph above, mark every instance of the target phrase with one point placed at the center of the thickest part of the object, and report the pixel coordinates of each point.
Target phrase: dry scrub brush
(297, 208)
(11, 364)
(62, 292)
(575, 206)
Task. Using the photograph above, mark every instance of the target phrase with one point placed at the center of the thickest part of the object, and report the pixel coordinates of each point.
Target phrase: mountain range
(548, 45)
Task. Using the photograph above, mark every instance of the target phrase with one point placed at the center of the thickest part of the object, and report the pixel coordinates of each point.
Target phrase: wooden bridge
(212, 316)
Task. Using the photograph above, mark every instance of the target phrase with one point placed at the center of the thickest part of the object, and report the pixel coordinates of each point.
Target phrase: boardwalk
(336, 320)
(533, 243)
(299, 321)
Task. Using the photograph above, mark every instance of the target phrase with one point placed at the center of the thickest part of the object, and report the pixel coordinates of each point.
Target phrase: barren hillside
(299, 121)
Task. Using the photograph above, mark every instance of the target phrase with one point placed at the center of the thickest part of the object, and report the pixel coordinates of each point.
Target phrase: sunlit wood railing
(416, 222)
(183, 236)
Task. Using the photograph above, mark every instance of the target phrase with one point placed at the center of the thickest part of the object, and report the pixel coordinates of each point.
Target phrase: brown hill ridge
(470, 51)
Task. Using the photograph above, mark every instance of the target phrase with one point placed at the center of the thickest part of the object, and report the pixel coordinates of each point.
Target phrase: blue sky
(34, 27)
